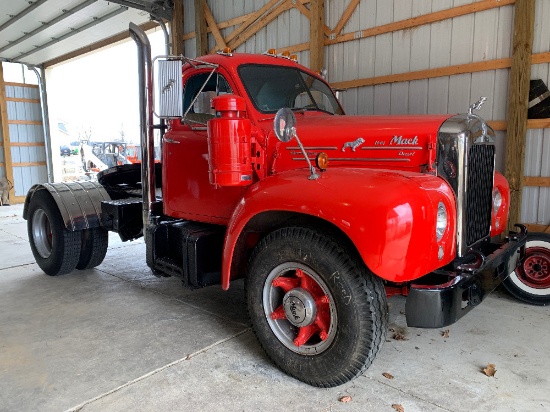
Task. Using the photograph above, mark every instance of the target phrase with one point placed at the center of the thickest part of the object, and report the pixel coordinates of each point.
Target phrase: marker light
(441, 222)
(322, 161)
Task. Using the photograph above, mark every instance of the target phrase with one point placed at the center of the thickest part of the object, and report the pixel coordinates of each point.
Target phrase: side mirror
(170, 89)
(284, 125)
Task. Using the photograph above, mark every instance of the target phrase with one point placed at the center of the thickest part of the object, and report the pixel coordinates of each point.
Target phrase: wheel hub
(536, 268)
(300, 307)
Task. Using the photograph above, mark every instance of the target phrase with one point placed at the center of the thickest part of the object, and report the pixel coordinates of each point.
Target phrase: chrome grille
(465, 159)
(479, 192)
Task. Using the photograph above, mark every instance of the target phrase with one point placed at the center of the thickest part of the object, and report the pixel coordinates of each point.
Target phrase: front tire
(530, 282)
(55, 248)
(316, 311)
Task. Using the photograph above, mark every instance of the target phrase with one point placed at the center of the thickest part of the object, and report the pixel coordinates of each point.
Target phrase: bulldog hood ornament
(477, 105)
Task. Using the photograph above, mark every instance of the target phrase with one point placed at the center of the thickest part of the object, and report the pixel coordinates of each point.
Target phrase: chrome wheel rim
(42, 233)
(299, 308)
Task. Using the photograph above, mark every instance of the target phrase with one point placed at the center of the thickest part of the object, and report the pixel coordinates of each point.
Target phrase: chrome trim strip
(313, 148)
(354, 159)
(392, 148)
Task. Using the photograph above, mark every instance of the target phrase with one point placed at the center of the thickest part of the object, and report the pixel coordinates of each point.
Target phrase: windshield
(272, 87)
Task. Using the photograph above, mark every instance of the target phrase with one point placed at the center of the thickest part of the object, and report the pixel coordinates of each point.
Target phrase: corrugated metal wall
(28, 156)
(535, 206)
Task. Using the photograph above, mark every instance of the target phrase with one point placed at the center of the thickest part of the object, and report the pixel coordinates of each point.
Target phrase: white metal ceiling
(37, 31)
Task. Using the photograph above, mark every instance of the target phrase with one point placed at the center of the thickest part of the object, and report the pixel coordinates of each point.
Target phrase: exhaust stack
(145, 79)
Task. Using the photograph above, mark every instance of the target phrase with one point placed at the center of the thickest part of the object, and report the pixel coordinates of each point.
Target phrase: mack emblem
(399, 140)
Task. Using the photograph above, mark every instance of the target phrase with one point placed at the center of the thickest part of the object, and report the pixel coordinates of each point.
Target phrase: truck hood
(396, 142)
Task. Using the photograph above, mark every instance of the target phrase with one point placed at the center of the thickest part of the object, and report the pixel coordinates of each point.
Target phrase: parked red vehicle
(325, 215)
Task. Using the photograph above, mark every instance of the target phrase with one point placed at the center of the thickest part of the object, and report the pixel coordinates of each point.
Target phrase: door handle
(170, 141)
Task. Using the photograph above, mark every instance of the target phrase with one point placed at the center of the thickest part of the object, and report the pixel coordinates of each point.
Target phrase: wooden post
(200, 28)
(6, 146)
(524, 22)
(316, 34)
(176, 27)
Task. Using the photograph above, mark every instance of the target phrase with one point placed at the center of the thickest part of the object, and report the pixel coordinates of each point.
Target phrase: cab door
(187, 192)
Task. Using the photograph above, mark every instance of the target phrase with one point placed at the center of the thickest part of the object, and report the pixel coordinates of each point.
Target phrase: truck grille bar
(479, 192)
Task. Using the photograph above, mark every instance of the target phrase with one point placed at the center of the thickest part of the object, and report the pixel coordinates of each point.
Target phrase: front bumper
(441, 298)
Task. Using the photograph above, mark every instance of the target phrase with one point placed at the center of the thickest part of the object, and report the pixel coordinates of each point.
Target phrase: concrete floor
(116, 338)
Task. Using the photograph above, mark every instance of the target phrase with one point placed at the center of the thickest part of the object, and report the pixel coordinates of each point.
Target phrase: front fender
(388, 215)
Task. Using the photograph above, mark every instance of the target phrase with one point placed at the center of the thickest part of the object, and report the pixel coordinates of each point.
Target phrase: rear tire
(316, 311)
(55, 248)
(95, 242)
(530, 282)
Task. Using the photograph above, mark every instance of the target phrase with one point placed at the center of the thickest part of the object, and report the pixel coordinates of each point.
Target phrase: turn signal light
(322, 161)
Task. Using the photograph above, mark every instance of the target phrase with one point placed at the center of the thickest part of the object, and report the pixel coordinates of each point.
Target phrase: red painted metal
(321, 324)
(535, 268)
(398, 245)
(500, 219)
(229, 143)
(401, 290)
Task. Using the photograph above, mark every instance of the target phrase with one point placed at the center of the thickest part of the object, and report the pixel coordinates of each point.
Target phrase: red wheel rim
(535, 268)
(298, 308)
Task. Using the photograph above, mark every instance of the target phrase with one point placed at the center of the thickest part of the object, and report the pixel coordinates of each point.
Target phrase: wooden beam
(123, 35)
(259, 24)
(345, 16)
(307, 12)
(33, 86)
(532, 227)
(426, 74)
(537, 181)
(220, 42)
(317, 35)
(21, 100)
(540, 58)
(35, 122)
(176, 28)
(27, 144)
(27, 164)
(422, 20)
(518, 100)
(201, 38)
(531, 124)
(251, 19)
(5, 129)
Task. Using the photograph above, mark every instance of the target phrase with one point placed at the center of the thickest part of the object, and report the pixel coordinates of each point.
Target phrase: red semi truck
(264, 177)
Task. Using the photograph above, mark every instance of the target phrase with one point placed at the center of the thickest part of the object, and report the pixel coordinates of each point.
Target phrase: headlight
(441, 223)
(497, 200)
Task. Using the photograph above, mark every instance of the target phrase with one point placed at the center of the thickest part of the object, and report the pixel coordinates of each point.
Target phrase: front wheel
(530, 281)
(316, 311)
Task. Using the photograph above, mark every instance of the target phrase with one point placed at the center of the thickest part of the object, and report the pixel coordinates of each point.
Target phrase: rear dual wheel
(316, 311)
(56, 249)
(530, 282)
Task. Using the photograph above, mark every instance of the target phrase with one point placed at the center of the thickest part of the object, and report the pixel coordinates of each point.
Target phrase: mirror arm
(313, 175)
